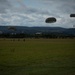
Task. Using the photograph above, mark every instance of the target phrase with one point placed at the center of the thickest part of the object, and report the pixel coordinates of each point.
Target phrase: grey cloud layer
(22, 18)
(60, 9)
(62, 6)
(4, 4)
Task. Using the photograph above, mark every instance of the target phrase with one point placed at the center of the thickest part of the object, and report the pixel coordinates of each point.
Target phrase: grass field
(37, 57)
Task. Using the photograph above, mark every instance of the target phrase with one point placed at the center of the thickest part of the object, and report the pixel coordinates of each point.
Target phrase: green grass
(37, 57)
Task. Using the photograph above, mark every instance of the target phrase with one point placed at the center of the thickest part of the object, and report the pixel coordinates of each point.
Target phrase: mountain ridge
(33, 30)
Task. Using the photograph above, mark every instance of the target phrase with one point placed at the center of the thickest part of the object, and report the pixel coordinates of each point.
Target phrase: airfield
(37, 56)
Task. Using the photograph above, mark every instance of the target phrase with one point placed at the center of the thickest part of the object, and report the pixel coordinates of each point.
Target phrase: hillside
(51, 31)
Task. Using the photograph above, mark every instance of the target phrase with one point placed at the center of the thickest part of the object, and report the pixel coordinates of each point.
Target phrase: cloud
(29, 16)
(62, 6)
(4, 4)
(21, 18)
(34, 19)
(15, 16)
(61, 10)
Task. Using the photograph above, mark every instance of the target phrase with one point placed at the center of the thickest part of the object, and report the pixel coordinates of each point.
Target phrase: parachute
(72, 15)
(50, 20)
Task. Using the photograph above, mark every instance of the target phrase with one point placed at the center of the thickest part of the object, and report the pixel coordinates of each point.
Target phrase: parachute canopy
(50, 20)
(72, 15)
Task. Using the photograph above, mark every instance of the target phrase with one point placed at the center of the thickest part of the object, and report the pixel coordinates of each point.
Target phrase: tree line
(41, 35)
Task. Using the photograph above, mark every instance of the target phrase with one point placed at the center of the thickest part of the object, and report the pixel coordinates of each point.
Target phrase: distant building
(38, 33)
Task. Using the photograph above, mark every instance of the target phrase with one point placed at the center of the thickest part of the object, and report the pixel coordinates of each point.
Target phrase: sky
(34, 13)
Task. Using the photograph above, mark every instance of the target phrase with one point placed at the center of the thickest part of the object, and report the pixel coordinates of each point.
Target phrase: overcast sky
(34, 12)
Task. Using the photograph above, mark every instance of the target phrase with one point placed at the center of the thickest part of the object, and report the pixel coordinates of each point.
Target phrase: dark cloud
(4, 4)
